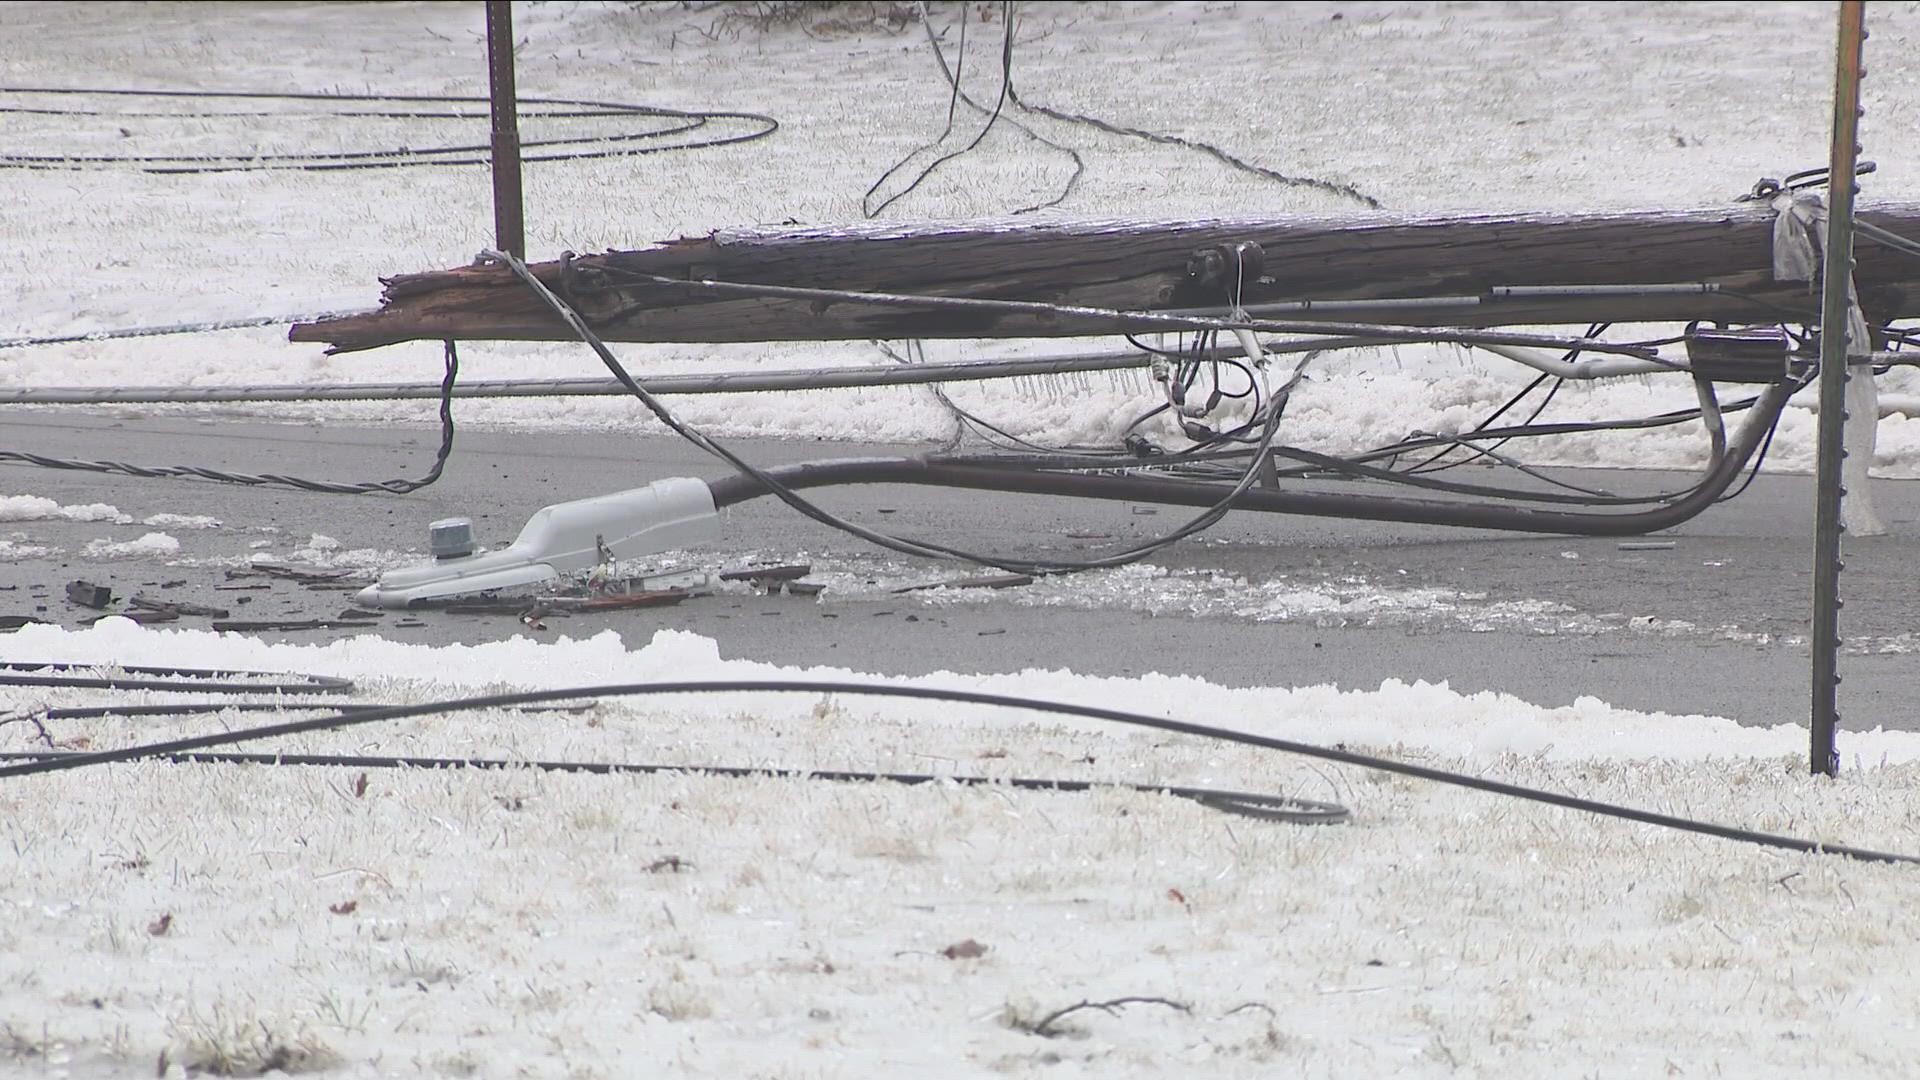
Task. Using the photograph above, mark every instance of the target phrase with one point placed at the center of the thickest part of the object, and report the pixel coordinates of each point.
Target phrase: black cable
(986, 428)
(922, 548)
(1207, 518)
(198, 680)
(1006, 81)
(969, 420)
(1281, 808)
(1504, 435)
(1429, 465)
(1052, 458)
(1758, 458)
(1093, 456)
(1171, 354)
(1356, 467)
(1124, 484)
(968, 697)
(1253, 383)
(1321, 464)
(1666, 419)
(681, 121)
(1490, 451)
(198, 472)
(952, 75)
(1347, 191)
(953, 103)
(201, 708)
(1204, 457)
(1424, 479)
(1433, 464)
(1421, 466)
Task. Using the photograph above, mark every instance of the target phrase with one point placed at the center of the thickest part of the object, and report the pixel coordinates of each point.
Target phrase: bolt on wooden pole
(1835, 348)
(509, 219)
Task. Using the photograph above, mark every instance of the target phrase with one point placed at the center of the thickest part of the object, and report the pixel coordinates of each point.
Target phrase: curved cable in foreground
(924, 693)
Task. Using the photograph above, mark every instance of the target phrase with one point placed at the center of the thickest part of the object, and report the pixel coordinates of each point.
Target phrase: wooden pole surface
(1142, 266)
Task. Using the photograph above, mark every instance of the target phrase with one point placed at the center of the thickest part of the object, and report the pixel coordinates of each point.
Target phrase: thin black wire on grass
(42, 764)
(867, 206)
(1010, 93)
(994, 115)
(1248, 804)
(1346, 191)
(67, 675)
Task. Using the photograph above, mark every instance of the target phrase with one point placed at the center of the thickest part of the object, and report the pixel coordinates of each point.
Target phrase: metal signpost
(509, 222)
(1835, 350)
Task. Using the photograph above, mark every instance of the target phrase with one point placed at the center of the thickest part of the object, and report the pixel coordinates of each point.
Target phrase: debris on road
(756, 574)
(242, 626)
(776, 579)
(619, 601)
(990, 581)
(313, 578)
(87, 594)
(178, 607)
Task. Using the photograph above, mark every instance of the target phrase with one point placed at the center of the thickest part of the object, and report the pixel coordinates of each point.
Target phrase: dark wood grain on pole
(1137, 266)
(509, 217)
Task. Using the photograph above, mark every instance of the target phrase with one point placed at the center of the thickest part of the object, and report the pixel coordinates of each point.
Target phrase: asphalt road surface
(1714, 624)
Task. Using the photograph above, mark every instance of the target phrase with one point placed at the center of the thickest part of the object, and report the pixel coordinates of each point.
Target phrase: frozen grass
(521, 923)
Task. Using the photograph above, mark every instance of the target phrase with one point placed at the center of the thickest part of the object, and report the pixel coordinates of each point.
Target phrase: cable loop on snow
(672, 122)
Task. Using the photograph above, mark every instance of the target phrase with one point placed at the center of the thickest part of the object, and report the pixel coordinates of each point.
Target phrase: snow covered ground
(206, 918)
(520, 923)
(1555, 106)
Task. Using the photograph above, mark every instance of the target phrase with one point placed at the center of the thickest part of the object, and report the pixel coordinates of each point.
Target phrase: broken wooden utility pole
(509, 217)
(1439, 270)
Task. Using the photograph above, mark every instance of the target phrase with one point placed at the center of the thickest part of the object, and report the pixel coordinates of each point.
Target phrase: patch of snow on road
(148, 545)
(40, 508)
(15, 548)
(181, 521)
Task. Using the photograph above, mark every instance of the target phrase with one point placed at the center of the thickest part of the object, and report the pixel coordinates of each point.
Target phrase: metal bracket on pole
(1836, 332)
(509, 220)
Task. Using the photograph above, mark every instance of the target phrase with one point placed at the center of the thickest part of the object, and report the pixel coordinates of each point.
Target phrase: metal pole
(1835, 319)
(509, 220)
